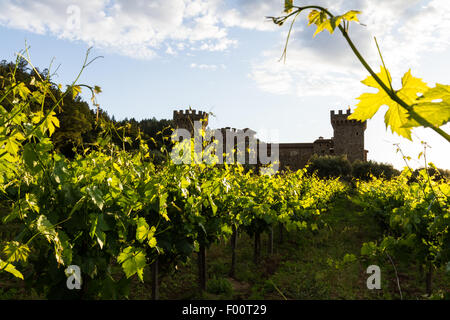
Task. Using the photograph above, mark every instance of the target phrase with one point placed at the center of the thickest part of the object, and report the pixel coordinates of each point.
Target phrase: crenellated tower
(348, 136)
(185, 119)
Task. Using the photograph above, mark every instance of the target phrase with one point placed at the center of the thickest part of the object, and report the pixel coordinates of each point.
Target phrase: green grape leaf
(16, 251)
(313, 17)
(102, 223)
(368, 248)
(75, 91)
(133, 261)
(12, 146)
(288, 5)
(351, 15)
(320, 19)
(93, 222)
(396, 117)
(163, 206)
(348, 258)
(44, 226)
(38, 96)
(142, 230)
(96, 196)
(435, 112)
(29, 157)
(335, 21)
(152, 242)
(22, 90)
(32, 202)
(63, 249)
(101, 238)
(212, 204)
(97, 89)
(411, 87)
(98, 228)
(8, 267)
(52, 122)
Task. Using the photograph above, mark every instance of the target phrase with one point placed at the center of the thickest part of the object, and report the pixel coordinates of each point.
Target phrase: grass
(301, 267)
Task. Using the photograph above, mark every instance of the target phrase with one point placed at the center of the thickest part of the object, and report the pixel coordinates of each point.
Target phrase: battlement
(341, 117)
(189, 113)
(186, 119)
(347, 112)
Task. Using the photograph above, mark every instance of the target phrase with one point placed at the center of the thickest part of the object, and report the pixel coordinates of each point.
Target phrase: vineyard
(134, 225)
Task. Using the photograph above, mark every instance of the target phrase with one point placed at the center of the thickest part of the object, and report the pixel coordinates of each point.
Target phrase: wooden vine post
(202, 267)
(428, 280)
(280, 239)
(233, 251)
(155, 282)
(257, 248)
(270, 241)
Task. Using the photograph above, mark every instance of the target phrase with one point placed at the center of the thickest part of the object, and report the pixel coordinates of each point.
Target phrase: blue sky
(223, 57)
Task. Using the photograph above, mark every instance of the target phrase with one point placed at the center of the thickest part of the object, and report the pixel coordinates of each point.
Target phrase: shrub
(330, 166)
(219, 286)
(437, 173)
(363, 170)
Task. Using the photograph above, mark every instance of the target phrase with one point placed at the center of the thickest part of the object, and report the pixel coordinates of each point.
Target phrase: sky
(223, 56)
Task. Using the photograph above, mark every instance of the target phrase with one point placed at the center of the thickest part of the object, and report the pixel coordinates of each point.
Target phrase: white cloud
(324, 65)
(211, 67)
(218, 46)
(251, 14)
(140, 28)
(133, 28)
(170, 51)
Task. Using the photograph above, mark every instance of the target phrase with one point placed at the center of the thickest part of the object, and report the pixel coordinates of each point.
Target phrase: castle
(348, 139)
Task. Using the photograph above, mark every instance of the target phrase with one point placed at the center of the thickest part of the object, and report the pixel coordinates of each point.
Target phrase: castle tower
(348, 136)
(185, 119)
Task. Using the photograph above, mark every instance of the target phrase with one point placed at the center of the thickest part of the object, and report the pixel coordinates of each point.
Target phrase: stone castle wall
(348, 139)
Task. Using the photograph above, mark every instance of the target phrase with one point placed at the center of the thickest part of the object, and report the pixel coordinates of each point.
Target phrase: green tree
(77, 122)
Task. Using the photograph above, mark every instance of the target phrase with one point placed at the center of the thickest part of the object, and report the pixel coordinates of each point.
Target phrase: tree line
(79, 127)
